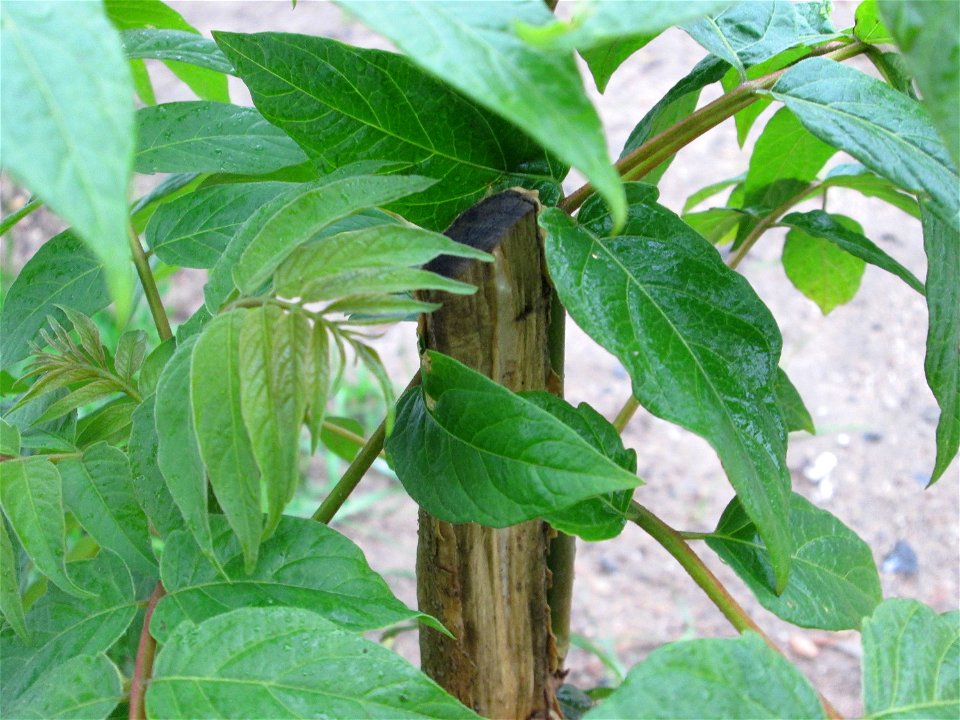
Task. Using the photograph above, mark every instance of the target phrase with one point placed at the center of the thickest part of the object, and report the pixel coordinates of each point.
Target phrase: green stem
(13, 218)
(767, 222)
(149, 285)
(353, 475)
(335, 429)
(626, 412)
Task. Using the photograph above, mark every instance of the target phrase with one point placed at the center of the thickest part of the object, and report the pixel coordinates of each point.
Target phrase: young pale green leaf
(288, 663)
(717, 225)
(483, 454)
(279, 227)
(822, 270)
(342, 436)
(942, 364)
(64, 272)
(834, 583)
(743, 679)
(926, 33)
(700, 346)
(149, 487)
(884, 129)
(474, 48)
(178, 453)
(86, 687)
(274, 359)
(142, 83)
(11, 604)
(868, 26)
(194, 230)
(320, 382)
(153, 365)
(368, 281)
(225, 445)
(66, 123)
(837, 230)
(603, 517)
(203, 136)
(374, 250)
(98, 490)
(9, 439)
(109, 423)
(93, 392)
(63, 627)
(795, 414)
(911, 658)
(132, 14)
(748, 33)
(856, 177)
(31, 499)
(178, 45)
(604, 59)
(131, 349)
(708, 191)
(303, 564)
(344, 104)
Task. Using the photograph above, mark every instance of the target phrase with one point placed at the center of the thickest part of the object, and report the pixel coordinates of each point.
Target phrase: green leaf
(869, 27)
(291, 219)
(31, 498)
(98, 490)
(717, 225)
(224, 443)
(942, 364)
(700, 346)
(184, 47)
(340, 444)
(11, 604)
(178, 453)
(149, 487)
(748, 33)
(142, 83)
(603, 60)
(795, 414)
(884, 129)
(193, 231)
(856, 177)
(288, 663)
(109, 423)
(154, 364)
(475, 49)
(365, 262)
(710, 190)
(274, 357)
(9, 439)
(341, 104)
(66, 124)
(925, 32)
(63, 626)
(483, 454)
(837, 230)
(83, 687)
(833, 582)
(131, 349)
(63, 272)
(822, 270)
(131, 14)
(303, 564)
(730, 679)
(321, 382)
(203, 136)
(603, 517)
(911, 657)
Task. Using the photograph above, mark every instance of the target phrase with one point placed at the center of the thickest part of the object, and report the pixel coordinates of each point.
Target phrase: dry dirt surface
(860, 371)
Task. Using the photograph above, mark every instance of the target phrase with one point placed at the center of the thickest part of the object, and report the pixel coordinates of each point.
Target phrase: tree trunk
(488, 586)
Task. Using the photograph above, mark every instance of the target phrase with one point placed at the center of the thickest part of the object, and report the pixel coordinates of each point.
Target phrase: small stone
(921, 478)
(843, 440)
(608, 566)
(825, 489)
(872, 436)
(902, 560)
(821, 467)
(803, 647)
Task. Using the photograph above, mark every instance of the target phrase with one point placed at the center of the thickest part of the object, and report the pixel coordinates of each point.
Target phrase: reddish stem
(144, 665)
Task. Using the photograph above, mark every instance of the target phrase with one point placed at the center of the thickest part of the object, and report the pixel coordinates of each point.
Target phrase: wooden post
(489, 586)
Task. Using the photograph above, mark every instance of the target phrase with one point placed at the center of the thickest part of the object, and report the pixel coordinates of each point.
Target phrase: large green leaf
(31, 499)
(178, 453)
(84, 687)
(926, 33)
(224, 442)
(700, 346)
(884, 129)
(149, 487)
(474, 48)
(911, 662)
(203, 136)
(11, 604)
(942, 364)
(98, 490)
(9, 439)
(303, 564)
(344, 104)
(66, 122)
(62, 273)
(748, 33)
(63, 627)
(288, 663)
(856, 177)
(835, 229)
(729, 679)
(833, 582)
(274, 357)
(484, 454)
(193, 231)
(178, 45)
(821, 269)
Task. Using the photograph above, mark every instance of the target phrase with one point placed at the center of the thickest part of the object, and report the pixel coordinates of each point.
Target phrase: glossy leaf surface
(178, 45)
(795, 414)
(83, 687)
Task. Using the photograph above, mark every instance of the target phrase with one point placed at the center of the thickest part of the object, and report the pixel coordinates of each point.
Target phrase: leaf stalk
(149, 284)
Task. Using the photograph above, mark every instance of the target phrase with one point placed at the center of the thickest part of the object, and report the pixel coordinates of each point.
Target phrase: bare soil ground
(860, 371)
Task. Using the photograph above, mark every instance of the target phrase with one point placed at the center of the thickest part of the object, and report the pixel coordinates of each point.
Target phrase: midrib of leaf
(407, 141)
(795, 556)
(207, 138)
